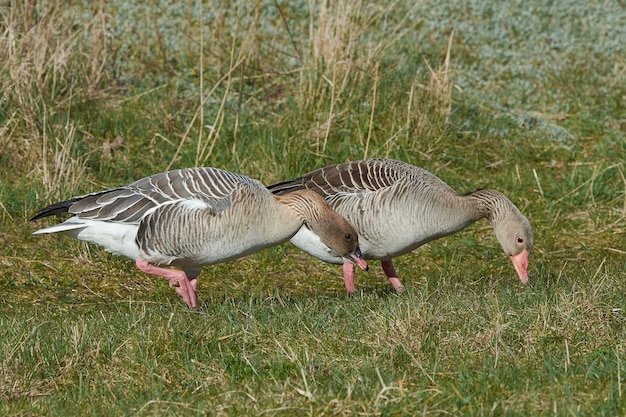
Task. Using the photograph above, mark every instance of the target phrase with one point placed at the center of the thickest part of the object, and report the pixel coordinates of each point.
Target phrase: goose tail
(61, 207)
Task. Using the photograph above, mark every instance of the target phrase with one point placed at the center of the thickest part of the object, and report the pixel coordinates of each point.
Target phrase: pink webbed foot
(392, 275)
(348, 277)
(186, 287)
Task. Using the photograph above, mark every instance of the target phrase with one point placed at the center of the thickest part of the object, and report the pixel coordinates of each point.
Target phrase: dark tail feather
(285, 187)
(61, 207)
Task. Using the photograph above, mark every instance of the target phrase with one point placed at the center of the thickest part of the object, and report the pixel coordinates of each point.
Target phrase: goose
(193, 217)
(397, 207)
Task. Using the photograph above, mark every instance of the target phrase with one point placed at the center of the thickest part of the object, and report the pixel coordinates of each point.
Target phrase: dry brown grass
(430, 106)
(273, 94)
(339, 55)
(50, 66)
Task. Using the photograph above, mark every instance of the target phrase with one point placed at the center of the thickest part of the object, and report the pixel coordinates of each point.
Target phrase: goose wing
(350, 179)
(210, 187)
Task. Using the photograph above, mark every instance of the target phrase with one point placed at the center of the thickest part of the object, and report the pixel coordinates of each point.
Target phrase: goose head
(515, 235)
(323, 229)
(337, 235)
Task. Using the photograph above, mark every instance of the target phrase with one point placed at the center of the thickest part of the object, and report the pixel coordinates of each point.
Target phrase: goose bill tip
(520, 262)
(360, 261)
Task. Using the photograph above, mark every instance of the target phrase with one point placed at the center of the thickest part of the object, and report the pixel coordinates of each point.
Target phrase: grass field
(529, 99)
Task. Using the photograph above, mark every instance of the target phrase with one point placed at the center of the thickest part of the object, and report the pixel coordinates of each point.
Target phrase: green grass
(528, 99)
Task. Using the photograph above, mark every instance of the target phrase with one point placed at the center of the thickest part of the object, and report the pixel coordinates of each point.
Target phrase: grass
(527, 99)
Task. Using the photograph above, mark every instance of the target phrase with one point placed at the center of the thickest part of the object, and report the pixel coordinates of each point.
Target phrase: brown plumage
(195, 217)
(397, 207)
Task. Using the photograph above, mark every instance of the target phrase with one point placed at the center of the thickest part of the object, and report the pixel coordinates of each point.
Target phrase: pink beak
(520, 262)
(357, 258)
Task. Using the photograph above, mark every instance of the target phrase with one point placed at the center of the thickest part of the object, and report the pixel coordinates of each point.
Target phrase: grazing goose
(194, 217)
(397, 207)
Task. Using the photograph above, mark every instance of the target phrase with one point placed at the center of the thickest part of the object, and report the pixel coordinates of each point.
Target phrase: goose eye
(347, 237)
(520, 240)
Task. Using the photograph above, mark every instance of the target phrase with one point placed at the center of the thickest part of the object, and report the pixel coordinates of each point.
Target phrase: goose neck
(307, 205)
(490, 204)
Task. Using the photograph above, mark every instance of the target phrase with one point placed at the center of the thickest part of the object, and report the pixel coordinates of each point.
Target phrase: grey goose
(397, 207)
(193, 217)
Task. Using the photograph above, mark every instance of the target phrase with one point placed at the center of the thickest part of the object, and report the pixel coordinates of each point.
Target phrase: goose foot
(392, 275)
(186, 287)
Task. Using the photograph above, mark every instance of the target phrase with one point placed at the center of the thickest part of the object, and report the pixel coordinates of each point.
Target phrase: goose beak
(357, 258)
(520, 262)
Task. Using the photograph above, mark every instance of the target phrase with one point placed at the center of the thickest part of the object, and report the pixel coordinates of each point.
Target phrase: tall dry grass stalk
(322, 67)
(48, 64)
(429, 106)
(240, 41)
(49, 58)
(205, 143)
(61, 171)
(340, 53)
(340, 43)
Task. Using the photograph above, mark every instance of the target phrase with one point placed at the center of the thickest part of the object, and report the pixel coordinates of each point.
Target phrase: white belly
(117, 238)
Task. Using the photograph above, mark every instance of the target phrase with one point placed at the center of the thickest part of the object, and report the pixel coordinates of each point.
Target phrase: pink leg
(348, 277)
(392, 275)
(185, 287)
